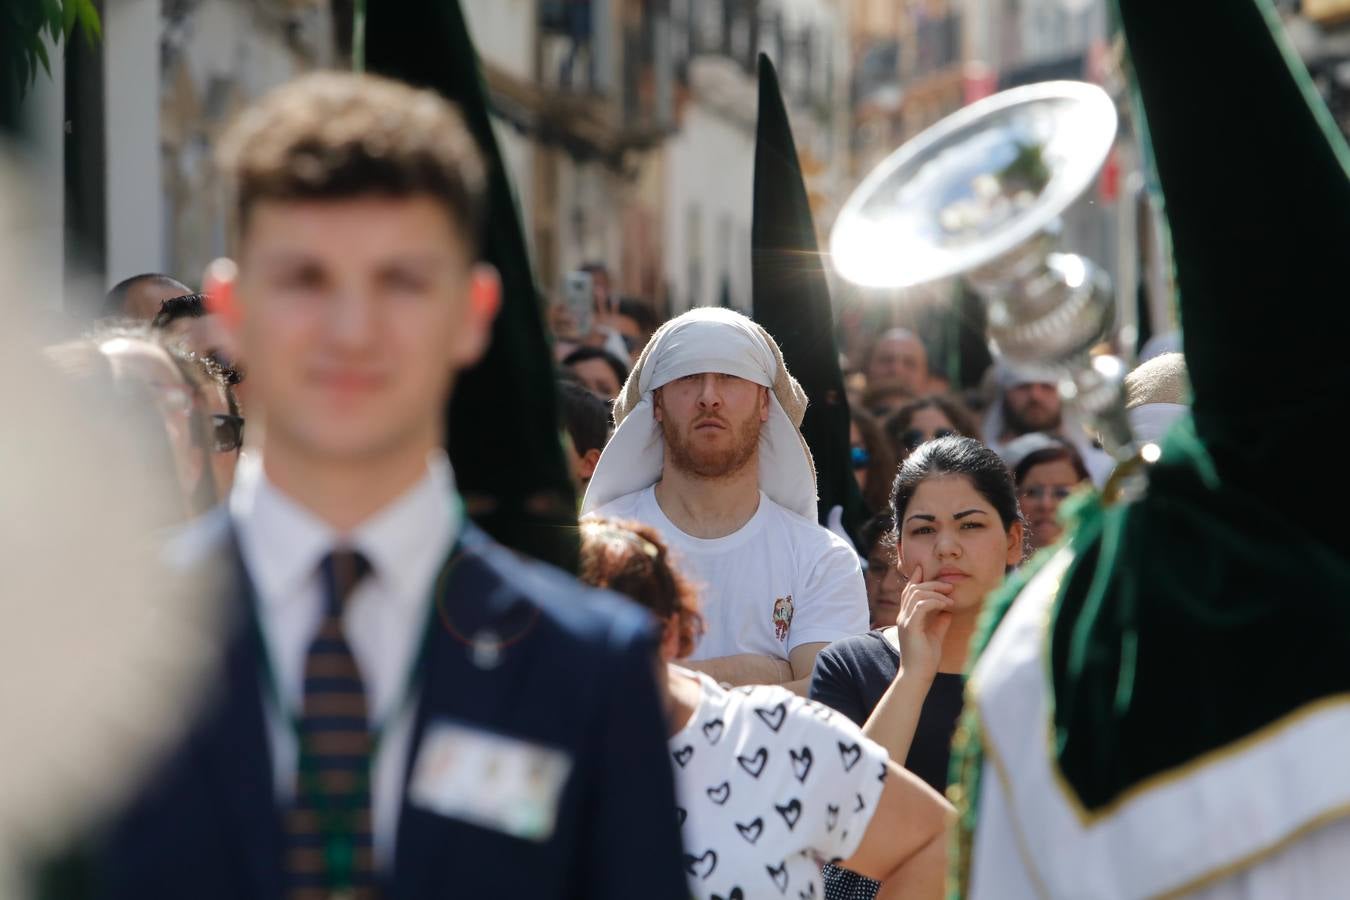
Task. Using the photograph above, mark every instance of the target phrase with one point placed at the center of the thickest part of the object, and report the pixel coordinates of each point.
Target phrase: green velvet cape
(503, 432)
(792, 301)
(1219, 601)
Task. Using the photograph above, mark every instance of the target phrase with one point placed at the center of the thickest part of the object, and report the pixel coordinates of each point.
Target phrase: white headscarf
(708, 339)
(1157, 393)
(1098, 462)
(1150, 422)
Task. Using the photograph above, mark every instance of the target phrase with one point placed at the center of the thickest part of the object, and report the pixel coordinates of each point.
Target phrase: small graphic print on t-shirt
(770, 786)
(782, 617)
(777, 583)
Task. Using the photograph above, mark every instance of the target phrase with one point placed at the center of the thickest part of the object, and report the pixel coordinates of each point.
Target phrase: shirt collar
(406, 541)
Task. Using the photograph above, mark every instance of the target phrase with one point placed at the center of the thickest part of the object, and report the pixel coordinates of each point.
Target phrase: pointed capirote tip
(766, 69)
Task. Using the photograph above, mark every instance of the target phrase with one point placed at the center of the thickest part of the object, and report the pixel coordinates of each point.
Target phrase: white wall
(709, 169)
(221, 55)
(43, 167)
(503, 32)
(710, 161)
(589, 226)
(135, 210)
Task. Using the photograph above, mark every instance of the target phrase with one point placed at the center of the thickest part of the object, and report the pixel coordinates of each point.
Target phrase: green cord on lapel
(359, 37)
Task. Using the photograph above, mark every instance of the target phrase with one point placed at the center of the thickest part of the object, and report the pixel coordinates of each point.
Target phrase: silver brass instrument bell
(979, 196)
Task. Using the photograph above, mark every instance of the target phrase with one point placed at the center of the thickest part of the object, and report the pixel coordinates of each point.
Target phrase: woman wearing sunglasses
(1045, 477)
(927, 419)
(873, 459)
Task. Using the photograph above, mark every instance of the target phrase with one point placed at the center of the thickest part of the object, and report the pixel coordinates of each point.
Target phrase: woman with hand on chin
(958, 530)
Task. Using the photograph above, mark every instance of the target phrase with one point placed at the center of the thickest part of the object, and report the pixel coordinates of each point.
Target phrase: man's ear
(657, 412)
(484, 302)
(764, 404)
(589, 462)
(218, 284)
(485, 293)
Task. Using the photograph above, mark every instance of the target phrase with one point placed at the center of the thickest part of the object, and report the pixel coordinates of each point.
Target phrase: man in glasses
(208, 356)
(220, 427)
(185, 318)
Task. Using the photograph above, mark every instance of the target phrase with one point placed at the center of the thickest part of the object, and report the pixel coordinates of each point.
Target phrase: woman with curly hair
(768, 784)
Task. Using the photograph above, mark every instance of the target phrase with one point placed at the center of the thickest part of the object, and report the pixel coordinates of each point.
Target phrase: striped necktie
(328, 849)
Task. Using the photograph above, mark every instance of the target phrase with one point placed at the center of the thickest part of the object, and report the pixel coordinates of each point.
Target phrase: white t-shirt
(780, 581)
(770, 786)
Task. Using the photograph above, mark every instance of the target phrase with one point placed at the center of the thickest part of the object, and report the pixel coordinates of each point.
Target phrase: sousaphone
(979, 196)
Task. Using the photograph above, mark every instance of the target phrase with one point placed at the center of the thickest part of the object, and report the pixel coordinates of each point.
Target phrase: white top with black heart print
(770, 786)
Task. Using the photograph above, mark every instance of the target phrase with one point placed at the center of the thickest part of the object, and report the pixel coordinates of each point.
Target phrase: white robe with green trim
(1265, 817)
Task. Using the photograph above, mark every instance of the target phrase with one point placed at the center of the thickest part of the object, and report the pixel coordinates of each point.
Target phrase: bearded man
(707, 451)
(1028, 403)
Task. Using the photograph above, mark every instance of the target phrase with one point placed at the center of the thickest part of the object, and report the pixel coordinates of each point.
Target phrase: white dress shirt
(406, 542)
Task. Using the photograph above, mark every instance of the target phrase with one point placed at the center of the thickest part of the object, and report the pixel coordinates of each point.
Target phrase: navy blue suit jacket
(581, 679)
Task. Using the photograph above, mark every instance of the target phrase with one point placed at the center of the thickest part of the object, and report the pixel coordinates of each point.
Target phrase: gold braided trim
(1023, 848)
(1087, 818)
(1262, 735)
(1230, 869)
(1168, 777)
(956, 793)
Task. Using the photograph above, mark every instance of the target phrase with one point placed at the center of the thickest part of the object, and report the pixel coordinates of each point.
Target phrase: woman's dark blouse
(852, 674)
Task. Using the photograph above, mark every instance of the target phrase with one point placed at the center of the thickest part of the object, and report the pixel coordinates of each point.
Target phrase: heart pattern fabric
(769, 786)
(801, 763)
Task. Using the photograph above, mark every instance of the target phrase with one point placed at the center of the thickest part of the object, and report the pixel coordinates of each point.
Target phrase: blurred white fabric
(101, 650)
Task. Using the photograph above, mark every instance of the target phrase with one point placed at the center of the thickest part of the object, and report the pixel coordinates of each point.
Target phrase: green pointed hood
(503, 422)
(1255, 182)
(791, 299)
(1214, 605)
(1256, 186)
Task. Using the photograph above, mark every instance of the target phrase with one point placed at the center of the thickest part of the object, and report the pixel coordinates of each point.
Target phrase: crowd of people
(358, 298)
(736, 696)
(699, 505)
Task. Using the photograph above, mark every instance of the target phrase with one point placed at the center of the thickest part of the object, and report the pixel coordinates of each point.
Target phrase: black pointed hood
(503, 422)
(791, 297)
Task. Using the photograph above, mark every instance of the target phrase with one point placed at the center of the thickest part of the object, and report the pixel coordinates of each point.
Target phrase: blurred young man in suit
(406, 709)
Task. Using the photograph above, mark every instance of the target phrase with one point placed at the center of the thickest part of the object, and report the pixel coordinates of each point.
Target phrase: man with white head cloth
(707, 450)
(1027, 403)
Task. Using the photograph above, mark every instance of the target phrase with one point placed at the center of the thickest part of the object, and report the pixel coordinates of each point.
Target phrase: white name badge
(493, 781)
